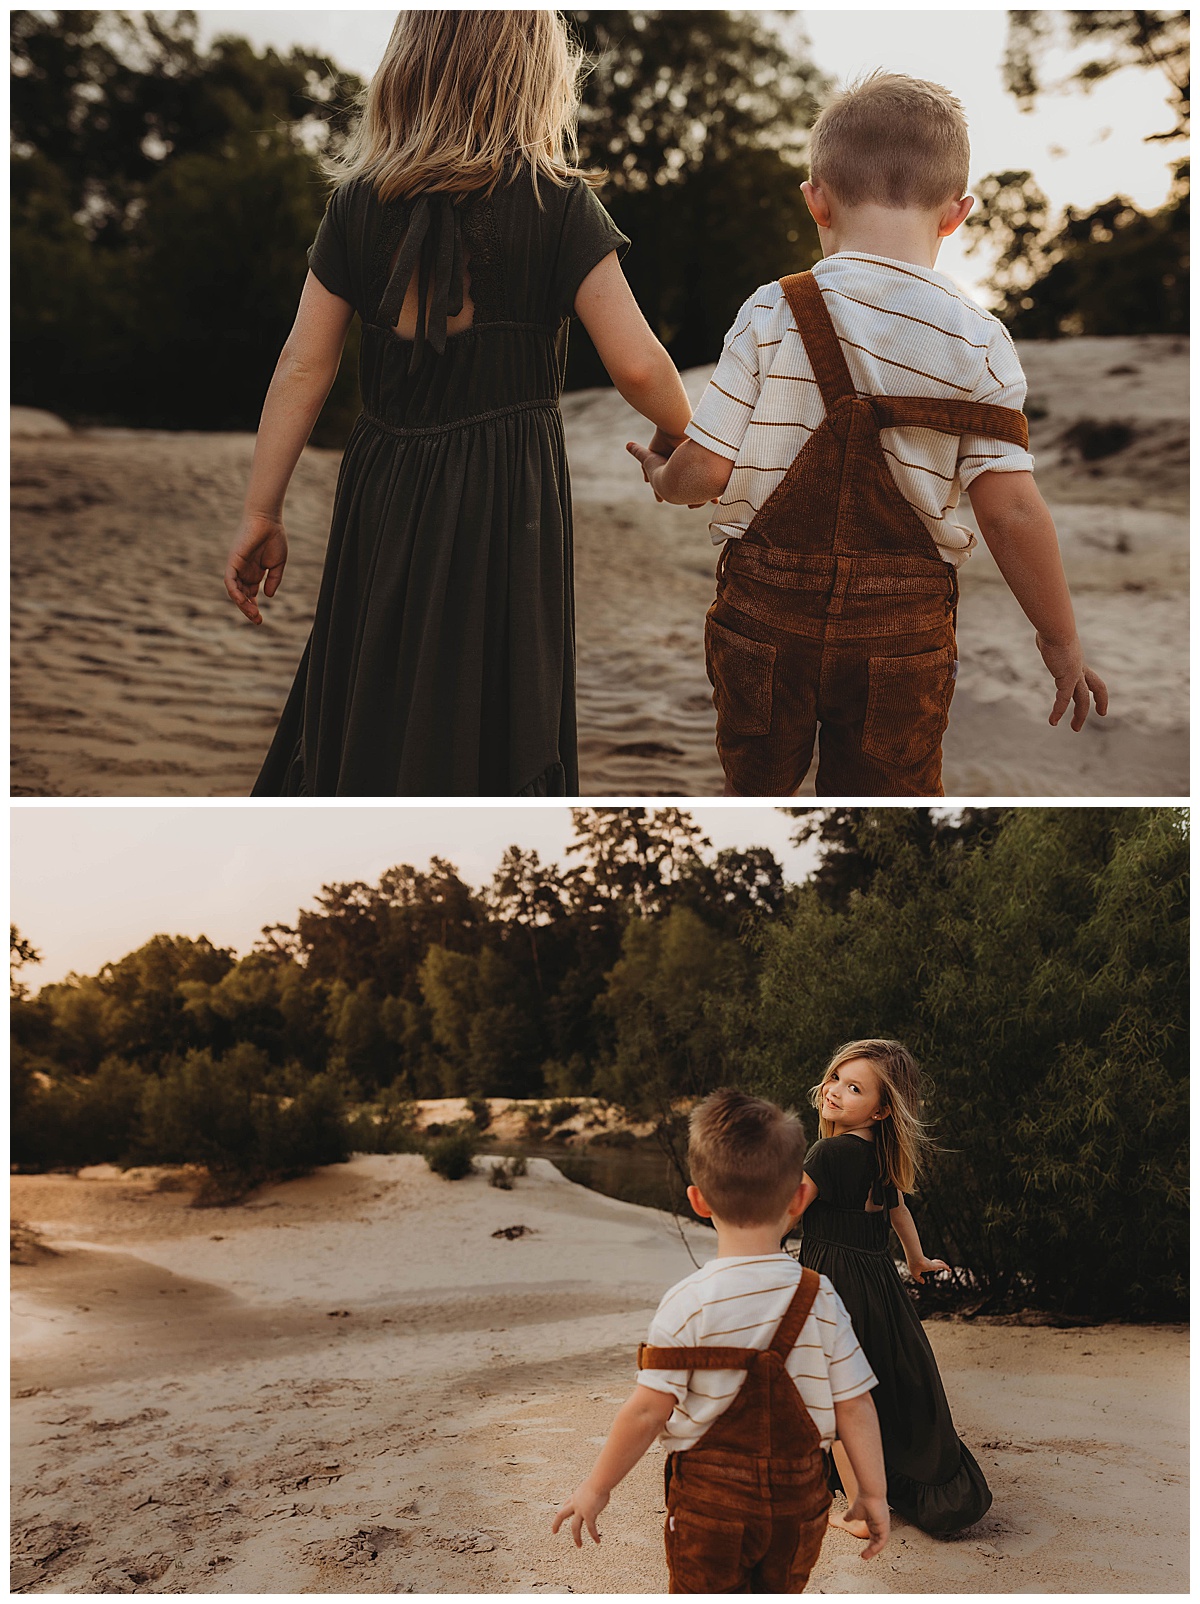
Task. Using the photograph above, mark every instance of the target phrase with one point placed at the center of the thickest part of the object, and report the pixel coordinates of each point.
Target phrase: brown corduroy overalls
(836, 609)
(748, 1506)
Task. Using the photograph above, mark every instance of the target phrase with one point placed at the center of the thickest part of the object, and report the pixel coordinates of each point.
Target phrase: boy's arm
(1019, 531)
(858, 1432)
(905, 1228)
(633, 356)
(691, 475)
(639, 1420)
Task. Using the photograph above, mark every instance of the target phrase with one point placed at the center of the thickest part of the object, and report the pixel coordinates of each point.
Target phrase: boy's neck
(749, 1241)
(902, 234)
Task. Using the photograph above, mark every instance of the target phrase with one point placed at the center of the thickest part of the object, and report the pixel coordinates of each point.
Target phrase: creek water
(633, 1174)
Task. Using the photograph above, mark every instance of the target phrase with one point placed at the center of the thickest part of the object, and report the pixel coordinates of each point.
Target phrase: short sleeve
(588, 236)
(820, 1167)
(724, 411)
(661, 1335)
(328, 255)
(1004, 386)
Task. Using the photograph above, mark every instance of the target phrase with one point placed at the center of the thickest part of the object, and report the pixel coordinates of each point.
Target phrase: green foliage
(453, 1155)
(231, 1115)
(699, 117)
(1111, 270)
(71, 1121)
(1042, 979)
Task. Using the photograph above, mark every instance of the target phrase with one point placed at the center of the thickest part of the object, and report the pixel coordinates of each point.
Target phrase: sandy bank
(351, 1385)
(133, 675)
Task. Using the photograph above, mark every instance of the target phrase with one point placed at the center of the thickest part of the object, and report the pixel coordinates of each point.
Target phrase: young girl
(442, 654)
(855, 1177)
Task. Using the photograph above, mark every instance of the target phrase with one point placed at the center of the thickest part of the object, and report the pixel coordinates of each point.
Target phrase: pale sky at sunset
(90, 884)
(1080, 148)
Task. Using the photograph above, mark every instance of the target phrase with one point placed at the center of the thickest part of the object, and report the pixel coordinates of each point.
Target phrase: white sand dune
(133, 675)
(352, 1385)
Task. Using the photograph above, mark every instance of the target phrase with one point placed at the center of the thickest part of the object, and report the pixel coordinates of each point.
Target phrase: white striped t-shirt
(738, 1303)
(904, 331)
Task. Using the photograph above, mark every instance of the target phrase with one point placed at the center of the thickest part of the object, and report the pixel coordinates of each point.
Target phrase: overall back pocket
(908, 706)
(741, 673)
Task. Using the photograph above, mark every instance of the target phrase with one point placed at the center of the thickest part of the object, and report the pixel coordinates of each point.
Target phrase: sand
(351, 1385)
(133, 675)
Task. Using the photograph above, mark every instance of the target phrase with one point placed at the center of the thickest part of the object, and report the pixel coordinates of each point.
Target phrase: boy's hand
(583, 1506)
(874, 1511)
(920, 1267)
(663, 443)
(1074, 682)
(257, 557)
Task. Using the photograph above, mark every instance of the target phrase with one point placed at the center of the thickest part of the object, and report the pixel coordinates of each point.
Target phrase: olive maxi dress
(442, 653)
(932, 1477)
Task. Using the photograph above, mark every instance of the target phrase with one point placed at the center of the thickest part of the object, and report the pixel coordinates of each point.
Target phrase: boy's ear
(817, 202)
(696, 1198)
(954, 215)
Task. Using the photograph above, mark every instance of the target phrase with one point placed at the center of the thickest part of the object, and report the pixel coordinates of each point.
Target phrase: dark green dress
(442, 655)
(933, 1479)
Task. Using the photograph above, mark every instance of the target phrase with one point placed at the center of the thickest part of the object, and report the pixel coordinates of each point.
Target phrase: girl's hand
(921, 1267)
(582, 1508)
(257, 558)
(663, 444)
(874, 1513)
(651, 461)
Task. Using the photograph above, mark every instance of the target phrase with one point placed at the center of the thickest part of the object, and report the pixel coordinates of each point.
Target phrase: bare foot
(856, 1528)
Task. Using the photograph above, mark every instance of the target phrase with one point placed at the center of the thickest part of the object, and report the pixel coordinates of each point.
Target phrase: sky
(90, 884)
(1081, 148)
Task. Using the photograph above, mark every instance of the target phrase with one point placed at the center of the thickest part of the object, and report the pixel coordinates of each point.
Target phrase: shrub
(452, 1156)
(562, 1111)
(498, 1176)
(613, 1139)
(387, 1127)
(479, 1111)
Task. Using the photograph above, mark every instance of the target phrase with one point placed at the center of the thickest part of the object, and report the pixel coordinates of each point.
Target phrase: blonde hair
(459, 95)
(746, 1155)
(892, 140)
(901, 1140)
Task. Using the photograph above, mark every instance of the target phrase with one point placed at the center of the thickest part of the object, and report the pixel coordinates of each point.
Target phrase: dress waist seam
(847, 1247)
(402, 433)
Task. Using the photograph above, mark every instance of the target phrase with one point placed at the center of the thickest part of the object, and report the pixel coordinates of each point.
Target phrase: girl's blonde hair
(901, 1139)
(459, 95)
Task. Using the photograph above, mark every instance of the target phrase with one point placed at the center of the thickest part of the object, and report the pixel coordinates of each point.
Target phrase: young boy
(850, 407)
(745, 1426)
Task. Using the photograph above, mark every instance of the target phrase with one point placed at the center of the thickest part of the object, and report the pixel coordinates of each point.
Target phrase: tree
(1113, 269)
(699, 118)
(1156, 39)
(20, 953)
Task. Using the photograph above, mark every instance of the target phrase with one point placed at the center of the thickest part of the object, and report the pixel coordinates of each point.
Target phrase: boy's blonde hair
(894, 141)
(900, 1138)
(746, 1155)
(458, 95)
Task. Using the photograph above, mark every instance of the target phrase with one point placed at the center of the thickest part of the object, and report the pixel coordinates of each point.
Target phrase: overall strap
(694, 1358)
(951, 417)
(819, 336)
(796, 1313)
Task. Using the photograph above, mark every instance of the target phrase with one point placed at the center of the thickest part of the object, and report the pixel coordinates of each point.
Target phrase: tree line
(163, 195)
(1035, 959)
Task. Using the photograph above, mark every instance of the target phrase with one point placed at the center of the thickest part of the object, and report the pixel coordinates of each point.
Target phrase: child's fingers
(1098, 689)
(1062, 700)
(271, 583)
(591, 1526)
(556, 1523)
(1082, 698)
(577, 1529)
(875, 1542)
(637, 451)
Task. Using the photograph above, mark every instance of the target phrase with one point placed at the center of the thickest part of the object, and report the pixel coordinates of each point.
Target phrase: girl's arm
(905, 1228)
(632, 355)
(304, 376)
(808, 1193)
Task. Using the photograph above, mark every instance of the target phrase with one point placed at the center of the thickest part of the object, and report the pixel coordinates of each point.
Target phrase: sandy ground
(132, 675)
(352, 1385)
